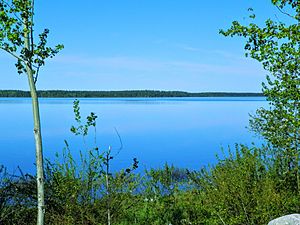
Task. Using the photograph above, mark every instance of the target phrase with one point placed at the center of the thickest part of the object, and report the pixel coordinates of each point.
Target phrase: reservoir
(186, 132)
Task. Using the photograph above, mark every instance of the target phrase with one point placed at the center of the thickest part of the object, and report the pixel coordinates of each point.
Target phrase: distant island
(122, 94)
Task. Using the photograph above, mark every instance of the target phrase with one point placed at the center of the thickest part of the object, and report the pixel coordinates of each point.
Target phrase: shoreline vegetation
(122, 94)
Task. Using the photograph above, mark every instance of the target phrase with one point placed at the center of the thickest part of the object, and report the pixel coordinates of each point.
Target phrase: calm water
(187, 132)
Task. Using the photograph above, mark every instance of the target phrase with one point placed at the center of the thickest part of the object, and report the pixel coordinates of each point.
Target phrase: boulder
(293, 219)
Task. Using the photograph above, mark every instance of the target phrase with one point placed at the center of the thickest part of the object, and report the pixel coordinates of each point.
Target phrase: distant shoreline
(122, 94)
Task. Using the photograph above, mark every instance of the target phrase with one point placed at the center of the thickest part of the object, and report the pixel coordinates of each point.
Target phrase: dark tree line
(122, 94)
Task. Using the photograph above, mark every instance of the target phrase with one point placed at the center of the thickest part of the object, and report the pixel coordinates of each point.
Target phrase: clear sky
(144, 44)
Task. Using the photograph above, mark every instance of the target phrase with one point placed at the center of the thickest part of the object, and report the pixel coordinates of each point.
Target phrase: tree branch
(37, 74)
(121, 143)
(17, 17)
(221, 218)
(31, 28)
(14, 55)
(285, 13)
(19, 58)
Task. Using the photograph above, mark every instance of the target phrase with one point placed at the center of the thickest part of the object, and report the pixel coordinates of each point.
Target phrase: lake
(186, 132)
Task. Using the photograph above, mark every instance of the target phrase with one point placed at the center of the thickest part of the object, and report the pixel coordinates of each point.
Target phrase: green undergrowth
(242, 188)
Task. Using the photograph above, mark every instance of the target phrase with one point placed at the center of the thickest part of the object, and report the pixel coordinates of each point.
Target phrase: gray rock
(293, 219)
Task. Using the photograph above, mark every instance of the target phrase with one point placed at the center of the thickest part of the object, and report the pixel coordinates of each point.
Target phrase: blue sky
(144, 44)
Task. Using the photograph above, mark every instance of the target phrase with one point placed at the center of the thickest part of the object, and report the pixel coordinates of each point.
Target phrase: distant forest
(122, 94)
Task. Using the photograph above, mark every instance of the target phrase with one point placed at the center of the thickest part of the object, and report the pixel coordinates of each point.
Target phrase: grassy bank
(243, 188)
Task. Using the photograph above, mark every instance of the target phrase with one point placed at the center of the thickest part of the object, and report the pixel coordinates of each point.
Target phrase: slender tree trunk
(296, 139)
(107, 188)
(37, 136)
(39, 151)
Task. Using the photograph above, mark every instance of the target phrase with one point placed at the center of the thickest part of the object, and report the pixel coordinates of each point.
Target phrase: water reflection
(188, 132)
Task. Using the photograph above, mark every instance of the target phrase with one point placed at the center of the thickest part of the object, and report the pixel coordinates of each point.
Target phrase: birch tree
(17, 38)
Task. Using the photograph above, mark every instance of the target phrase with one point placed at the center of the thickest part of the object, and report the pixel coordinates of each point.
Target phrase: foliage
(240, 189)
(161, 190)
(277, 46)
(87, 191)
(17, 198)
(16, 19)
